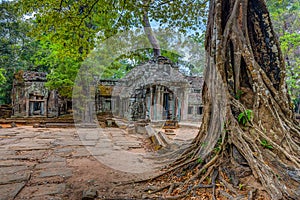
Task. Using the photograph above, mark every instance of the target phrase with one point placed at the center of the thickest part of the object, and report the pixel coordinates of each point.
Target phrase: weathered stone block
(141, 129)
(9, 191)
(89, 194)
(63, 172)
(12, 178)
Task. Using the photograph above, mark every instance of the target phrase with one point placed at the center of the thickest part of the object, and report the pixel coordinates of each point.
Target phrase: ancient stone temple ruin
(31, 98)
(155, 90)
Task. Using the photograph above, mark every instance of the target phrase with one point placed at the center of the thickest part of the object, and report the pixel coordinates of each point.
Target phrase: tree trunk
(249, 140)
(148, 30)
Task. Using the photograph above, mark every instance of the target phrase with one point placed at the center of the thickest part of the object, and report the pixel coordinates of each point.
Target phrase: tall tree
(248, 134)
(148, 29)
(16, 47)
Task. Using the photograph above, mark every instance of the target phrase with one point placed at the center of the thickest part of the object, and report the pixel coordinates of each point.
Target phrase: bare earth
(41, 163)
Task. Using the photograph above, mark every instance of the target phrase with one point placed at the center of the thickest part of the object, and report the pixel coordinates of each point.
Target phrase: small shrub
(218, 145)
(199, 160)
(245, 117)
(241, 186)
(204, 144)
(238, 94)
(265, 144)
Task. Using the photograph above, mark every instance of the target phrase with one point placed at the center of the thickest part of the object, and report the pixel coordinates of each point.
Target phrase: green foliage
(2, 77)
(241, 186)
(245, 117)
(199, 160)
(78, 24)
(16, 48)
(285, 16)
(278, 177)
(289, 44)
(62, 77)
(204, 144)
(62, 70)
(265, 144)
(69, 30)
(238, 94)
(218, 146)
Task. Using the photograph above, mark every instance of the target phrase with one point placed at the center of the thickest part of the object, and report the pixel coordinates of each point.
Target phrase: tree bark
(148, 30)
(245, 75)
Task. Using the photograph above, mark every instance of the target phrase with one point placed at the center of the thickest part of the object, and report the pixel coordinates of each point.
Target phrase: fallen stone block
(158, 139)
(163, 138)
(141, 129)
(150, 130)
(89, 194)
(171, 124)
(13, 125)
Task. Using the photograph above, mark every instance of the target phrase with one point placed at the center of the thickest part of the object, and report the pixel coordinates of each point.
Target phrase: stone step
(59, 125)
(87, 125)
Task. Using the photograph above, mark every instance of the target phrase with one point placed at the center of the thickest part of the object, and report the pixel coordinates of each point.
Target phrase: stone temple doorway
(37, 105)
(154, 102)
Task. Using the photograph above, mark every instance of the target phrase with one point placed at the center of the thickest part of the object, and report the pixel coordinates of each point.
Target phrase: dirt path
(41, 163)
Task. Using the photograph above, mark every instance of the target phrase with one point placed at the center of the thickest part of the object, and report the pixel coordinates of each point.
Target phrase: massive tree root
(248, 145)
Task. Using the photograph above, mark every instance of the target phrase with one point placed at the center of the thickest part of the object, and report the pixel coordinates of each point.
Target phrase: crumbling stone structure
(30, 97)
(155, 90)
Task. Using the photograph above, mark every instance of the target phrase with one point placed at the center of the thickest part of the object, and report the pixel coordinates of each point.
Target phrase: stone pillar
(172, 107)
(159, 103)
(27, 108)
(148, 106)
(46, 108)
(161, 107)
(42, 108)
(184, 105)
(175, 97)
(151, 103)
(178, 112)
(154, 103)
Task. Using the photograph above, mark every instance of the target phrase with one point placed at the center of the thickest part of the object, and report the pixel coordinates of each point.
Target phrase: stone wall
(195, 108)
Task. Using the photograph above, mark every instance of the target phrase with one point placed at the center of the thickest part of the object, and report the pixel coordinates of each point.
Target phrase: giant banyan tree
(248, 145)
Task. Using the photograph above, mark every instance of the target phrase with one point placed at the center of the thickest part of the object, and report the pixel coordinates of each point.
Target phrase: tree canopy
(60, 32)
(71, 29)
(16, 47)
